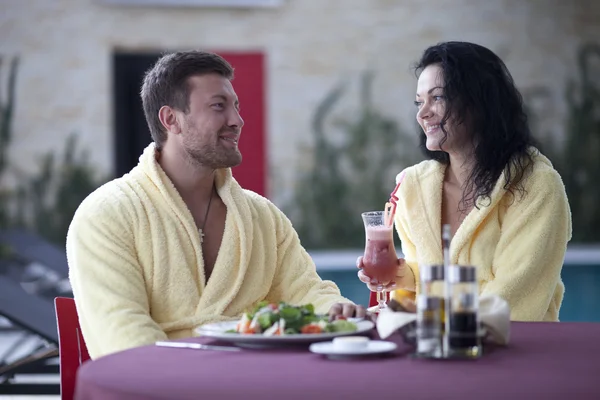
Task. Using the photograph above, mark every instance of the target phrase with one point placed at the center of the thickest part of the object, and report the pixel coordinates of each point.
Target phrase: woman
(505, 204)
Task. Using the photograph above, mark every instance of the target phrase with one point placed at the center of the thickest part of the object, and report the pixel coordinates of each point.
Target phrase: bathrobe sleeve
(296, 280)
(530, 253)
(409, 250)
(106, 278)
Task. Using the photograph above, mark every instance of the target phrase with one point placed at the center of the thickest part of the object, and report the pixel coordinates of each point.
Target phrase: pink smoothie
(380, 260)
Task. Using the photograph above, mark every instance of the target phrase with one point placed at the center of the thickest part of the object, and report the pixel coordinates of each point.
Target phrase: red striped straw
(390, 206)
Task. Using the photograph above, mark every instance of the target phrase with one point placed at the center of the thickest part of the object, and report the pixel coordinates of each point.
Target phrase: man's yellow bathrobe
(517, 243)
(136, 265)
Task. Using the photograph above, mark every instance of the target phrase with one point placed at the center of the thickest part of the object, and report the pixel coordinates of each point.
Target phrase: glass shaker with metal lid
(430, 311)
(462, 321)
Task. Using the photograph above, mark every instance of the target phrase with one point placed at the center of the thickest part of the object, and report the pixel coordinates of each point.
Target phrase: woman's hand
(373, 284)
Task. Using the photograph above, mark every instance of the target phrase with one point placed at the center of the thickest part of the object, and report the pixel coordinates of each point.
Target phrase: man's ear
(168, 119)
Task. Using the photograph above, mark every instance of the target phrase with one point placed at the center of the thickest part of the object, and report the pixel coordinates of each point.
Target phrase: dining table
(543, 360)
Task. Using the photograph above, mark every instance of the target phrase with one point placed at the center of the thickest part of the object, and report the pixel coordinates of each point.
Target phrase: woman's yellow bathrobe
(517, 243)
(136, 265)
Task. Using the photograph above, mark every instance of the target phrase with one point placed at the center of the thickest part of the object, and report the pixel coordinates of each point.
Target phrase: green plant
(577, 156)
(580, 163)
(45, 202)
(6, 114)
(350, 175)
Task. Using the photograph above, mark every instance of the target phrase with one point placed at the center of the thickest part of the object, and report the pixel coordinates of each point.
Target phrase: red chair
(71, 346)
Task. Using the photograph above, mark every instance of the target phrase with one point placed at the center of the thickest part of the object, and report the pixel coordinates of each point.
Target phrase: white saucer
(373, 347)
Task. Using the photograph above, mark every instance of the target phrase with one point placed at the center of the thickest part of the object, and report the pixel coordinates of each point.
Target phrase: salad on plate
(279, 319)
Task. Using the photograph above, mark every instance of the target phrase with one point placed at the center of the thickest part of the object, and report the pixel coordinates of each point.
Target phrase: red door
(249, 84)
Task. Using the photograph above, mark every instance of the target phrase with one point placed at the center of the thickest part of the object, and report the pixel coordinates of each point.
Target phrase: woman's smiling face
(431, 109)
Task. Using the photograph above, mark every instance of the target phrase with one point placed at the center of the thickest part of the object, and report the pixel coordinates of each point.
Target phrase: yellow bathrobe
(518, 248)
(137, 271)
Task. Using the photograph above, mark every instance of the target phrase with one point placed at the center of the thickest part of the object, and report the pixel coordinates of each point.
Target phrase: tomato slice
(311, 328)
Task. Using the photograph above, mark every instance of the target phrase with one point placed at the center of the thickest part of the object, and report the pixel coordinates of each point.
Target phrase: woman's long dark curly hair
(480, 92)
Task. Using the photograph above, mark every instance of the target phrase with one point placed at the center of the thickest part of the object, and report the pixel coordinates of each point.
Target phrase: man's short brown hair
(166, 84)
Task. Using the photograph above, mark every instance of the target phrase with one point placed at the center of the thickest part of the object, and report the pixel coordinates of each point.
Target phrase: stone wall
(66, 46)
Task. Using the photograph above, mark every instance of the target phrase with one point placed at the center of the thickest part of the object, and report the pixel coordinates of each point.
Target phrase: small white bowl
(350, 343)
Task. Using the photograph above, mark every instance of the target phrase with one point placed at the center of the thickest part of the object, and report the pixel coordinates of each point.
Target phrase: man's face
(211, 129)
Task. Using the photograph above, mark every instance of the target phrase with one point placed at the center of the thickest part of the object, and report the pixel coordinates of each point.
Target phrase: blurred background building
(322, 84)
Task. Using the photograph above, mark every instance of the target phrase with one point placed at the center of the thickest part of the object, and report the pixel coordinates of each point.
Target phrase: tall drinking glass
(380, 260)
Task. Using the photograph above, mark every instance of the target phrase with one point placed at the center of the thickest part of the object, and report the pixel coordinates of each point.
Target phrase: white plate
(218, 331)
(373, 347)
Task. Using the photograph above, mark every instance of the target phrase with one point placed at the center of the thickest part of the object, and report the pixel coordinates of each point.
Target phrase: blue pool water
(581, 302)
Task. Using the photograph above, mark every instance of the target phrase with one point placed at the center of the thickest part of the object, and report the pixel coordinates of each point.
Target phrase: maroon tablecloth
(543, 361)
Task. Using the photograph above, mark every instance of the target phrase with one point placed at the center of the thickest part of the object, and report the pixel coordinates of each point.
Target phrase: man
(177, 243)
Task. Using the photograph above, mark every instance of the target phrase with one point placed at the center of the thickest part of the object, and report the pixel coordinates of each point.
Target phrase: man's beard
(212, 155)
